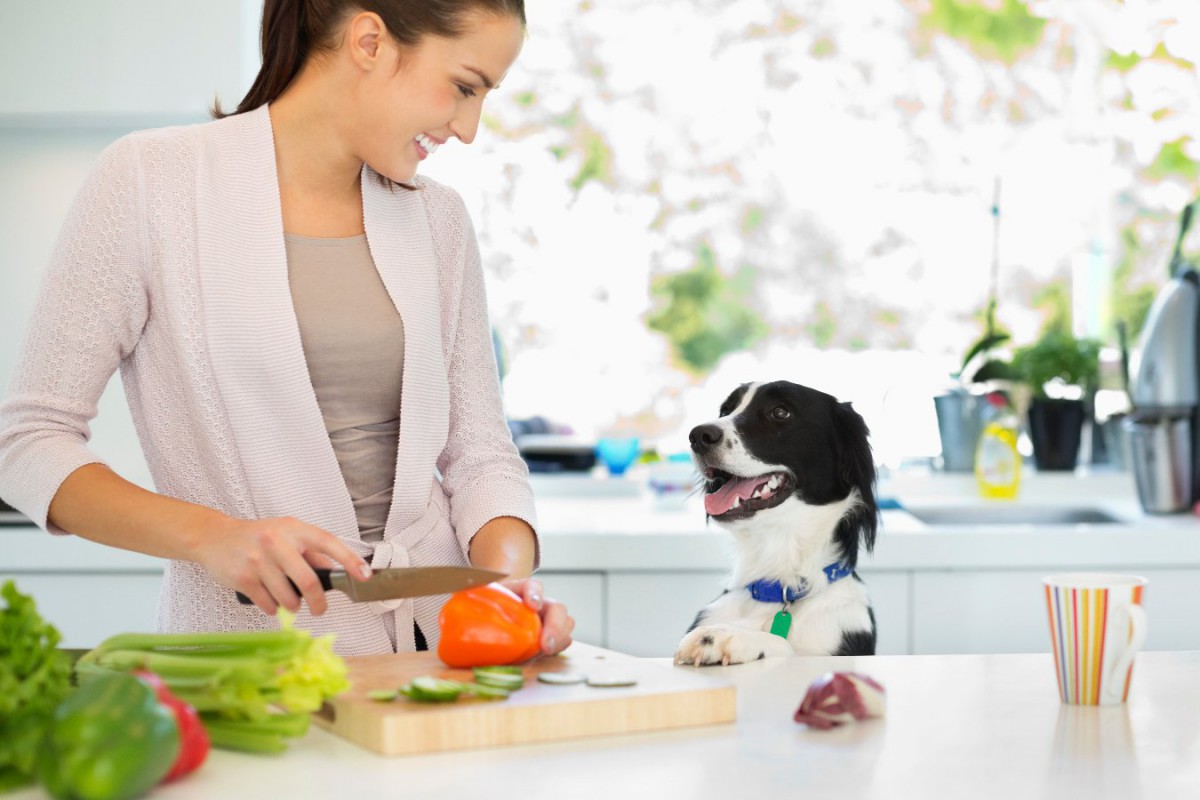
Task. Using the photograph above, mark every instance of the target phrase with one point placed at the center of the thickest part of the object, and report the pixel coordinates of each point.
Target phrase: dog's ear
(857, 468)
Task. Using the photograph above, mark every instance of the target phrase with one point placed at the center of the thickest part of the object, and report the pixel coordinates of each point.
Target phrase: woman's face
(437, 92)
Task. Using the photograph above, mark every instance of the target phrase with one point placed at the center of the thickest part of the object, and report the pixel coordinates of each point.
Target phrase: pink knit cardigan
(171, 266)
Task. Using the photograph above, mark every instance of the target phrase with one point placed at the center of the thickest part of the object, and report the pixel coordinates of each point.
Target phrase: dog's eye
(779, 412)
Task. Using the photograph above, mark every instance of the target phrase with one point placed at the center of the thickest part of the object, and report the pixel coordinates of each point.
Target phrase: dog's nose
(704, 438)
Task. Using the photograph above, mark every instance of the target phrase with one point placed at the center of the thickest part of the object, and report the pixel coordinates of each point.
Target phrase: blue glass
(617, 453)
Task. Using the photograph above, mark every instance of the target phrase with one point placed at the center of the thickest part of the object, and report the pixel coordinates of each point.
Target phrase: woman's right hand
(257, 557)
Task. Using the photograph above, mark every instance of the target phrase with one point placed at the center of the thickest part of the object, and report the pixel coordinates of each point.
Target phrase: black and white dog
(788, 471)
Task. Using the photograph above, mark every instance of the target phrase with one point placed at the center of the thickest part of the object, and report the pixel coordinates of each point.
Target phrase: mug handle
(1114, 681)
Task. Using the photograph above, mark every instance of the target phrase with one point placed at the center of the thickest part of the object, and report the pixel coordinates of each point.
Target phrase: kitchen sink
(1011, 515)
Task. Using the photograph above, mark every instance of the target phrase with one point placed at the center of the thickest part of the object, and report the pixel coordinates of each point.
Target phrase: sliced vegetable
(427, 689)
(605, 681)
(510, 678)
(837, 698)
(561, 678)
(383, 695)
(499, 669)
(432, 690)
(237, 681)
(110, 740)
(34, 678)
(486, 692)
(487, 625)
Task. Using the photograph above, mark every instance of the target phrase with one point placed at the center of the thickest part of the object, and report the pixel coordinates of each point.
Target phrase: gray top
(353, 340)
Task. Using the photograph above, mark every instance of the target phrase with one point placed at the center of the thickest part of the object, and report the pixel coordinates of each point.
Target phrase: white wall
(74, 76)
(125, 57)
(40, 172)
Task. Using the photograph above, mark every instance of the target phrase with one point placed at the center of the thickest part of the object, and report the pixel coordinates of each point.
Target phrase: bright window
(678, 196)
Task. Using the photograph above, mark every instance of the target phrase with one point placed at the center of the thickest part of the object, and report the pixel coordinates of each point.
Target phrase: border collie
(788, 471)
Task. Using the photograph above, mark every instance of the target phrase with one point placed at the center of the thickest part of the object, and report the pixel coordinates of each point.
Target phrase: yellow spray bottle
(997, 460)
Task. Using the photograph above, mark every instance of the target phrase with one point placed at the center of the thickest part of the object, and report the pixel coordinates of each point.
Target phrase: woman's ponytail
(285, 44)
(293, 29)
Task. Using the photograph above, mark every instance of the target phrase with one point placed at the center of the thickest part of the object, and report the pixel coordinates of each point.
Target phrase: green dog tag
(781, 624)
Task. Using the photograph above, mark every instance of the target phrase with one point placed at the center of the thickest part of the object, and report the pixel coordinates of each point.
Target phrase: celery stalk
(234, 679)
(231, 736)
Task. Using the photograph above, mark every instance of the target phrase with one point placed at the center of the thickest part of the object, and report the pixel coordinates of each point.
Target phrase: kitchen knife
(388, 584)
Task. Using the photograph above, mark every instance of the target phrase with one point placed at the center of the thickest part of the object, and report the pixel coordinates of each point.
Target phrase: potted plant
(961, 410)
(1061, 372)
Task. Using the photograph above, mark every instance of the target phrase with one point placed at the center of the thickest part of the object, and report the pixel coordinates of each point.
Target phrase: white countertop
(976, 727)
(613, 525)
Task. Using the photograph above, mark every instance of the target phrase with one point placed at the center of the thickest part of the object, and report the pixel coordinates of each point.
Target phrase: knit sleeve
(88, 315)
(482, 472)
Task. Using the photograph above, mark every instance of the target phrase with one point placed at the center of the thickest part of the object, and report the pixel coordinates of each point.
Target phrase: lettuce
(34, 677)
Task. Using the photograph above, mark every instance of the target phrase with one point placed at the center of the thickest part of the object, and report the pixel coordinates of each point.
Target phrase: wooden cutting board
(663, 697)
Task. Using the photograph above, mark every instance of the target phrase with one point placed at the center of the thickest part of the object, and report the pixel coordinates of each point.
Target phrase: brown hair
(294, 29)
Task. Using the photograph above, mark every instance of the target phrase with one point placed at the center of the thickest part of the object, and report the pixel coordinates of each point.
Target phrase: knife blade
(395, 582)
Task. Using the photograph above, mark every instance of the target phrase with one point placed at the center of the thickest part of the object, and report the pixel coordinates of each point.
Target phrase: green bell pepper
(110, 740)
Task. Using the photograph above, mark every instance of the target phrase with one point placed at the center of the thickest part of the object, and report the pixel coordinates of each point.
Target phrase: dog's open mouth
(734, 497)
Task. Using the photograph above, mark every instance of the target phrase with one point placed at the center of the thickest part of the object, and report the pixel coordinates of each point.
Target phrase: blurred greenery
(1123, 62)
(1058, 354)
(1003, 30)
(1054, 300)
(824, 327)
(704, 313)
(752, 219)
(1173, 161)
(1131, 303)
(982, 363)
(597, 159)
(1019, 60)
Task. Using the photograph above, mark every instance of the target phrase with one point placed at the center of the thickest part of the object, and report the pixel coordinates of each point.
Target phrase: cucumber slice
(427, 689)
(500, 683)
(509, 678)
(485, 692)
(602, 681)
(383, 695)
(561, 678)
(501, 669)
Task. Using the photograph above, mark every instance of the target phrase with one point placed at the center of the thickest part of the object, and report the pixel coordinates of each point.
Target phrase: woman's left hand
(557, 624)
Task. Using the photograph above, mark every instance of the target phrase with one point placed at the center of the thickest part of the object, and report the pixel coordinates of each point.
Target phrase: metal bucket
(960, 421)
(1161, 451)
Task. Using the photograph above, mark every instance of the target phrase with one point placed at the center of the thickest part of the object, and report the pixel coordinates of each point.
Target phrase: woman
(301, 330)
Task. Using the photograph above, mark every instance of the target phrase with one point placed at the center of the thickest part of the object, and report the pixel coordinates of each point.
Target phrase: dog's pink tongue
(722, 499)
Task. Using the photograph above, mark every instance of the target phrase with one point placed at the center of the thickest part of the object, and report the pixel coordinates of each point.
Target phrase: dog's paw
(725, 645)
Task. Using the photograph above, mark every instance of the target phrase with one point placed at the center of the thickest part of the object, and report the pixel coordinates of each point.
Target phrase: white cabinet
(1005, 611)
(77, 58)
(890, 600)
(88, 608)
(90, 592)
(583, 595)
(649, 612)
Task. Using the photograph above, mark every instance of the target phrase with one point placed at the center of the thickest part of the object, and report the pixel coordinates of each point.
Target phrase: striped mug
(1097, 625)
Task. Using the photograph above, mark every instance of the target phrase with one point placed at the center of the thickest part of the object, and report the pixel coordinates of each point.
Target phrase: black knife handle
(322, 576)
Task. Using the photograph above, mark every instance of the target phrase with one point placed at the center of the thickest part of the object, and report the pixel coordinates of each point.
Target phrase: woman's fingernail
(365, 570)
(537, 600)
(550, 642)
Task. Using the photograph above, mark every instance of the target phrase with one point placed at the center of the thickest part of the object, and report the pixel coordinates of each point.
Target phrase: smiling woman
(389, 81)
(300, 301)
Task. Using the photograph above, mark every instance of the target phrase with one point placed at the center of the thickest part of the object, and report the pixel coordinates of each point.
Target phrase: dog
(788, 471)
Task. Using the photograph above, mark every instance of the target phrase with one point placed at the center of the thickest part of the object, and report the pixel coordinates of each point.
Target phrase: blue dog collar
(766, 591)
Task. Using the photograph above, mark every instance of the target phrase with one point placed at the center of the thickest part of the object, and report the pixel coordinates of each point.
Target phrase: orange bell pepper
(487, 625)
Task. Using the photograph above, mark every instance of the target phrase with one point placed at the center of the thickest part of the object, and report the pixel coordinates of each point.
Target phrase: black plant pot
(1055, 427)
